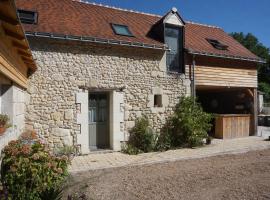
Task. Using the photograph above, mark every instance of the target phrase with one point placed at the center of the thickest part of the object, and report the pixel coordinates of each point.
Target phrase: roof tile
(72, 17)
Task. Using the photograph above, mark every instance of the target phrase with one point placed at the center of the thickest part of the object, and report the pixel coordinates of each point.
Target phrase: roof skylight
(121, 30)
(27, 17)
(217, 44)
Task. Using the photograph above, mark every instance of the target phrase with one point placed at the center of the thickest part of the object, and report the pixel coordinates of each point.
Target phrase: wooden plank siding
(225, 76)
(15, 54)
(11, 64)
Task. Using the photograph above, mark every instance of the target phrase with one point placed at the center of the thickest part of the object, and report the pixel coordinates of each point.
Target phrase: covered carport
(228, 89)
(233, 109)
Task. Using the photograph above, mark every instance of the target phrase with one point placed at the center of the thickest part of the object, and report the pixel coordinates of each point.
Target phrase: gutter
(225, 56)
(95, 40)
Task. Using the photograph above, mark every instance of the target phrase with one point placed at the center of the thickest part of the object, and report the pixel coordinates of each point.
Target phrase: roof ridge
(138, 12)
(116, 8)
(200, 24)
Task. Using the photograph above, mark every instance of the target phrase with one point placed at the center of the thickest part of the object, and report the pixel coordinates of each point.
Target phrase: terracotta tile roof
(71, 17)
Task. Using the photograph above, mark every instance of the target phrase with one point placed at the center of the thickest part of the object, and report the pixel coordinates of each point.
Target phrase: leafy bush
(189, 124)
(29, 171)
(4, 123)
(131, 150)
(141, 137)
(4, 119)
(52, 194)
(164, 141)
(187, 127)
(265, 87)
(68, 151)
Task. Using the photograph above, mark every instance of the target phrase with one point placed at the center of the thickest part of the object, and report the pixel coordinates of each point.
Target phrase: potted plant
(4, 123)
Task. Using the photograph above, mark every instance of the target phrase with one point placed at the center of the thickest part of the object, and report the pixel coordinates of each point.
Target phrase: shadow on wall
(94, 49)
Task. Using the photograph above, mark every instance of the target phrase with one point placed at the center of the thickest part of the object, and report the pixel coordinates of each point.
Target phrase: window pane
(28, 17)
(121, 30)
(173, 39)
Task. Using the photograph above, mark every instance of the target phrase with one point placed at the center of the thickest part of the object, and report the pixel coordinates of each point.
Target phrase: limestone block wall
(65, 69)
(13, 101)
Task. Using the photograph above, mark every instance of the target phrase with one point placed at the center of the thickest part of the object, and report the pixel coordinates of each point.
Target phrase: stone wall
(13, 101)
(65, 68)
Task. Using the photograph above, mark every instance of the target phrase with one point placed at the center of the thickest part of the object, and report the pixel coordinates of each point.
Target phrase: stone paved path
(117, 159)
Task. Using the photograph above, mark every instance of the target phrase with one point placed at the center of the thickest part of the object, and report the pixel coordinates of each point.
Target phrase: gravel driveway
(241, 176)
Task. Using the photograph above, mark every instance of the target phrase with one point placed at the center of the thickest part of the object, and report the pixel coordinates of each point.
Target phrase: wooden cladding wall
(10, 63)
(225, 77)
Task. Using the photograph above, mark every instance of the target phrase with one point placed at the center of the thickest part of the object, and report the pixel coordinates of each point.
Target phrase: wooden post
(193, 79)
(255, 111)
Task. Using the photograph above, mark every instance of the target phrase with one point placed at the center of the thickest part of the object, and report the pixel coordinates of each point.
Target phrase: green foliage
(253, 44)
(131, 150)
(189, 124)
(28, 171)
(4, 121)
(265, 87)
(187, 127)
(164, 140)
(52, 194)
(66, 151)
(141, 137)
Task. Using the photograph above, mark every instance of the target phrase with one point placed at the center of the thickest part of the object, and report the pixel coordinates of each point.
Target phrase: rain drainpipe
(193, 82)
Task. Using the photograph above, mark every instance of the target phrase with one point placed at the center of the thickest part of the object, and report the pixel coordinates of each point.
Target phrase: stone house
(100, 68)
(16, 64)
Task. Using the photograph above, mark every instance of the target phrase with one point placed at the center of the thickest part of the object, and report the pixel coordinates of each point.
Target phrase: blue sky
(232, 15)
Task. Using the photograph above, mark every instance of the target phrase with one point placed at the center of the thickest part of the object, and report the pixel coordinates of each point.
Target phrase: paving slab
(118, 159)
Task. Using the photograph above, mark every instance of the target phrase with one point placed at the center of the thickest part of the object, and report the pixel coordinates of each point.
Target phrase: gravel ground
(241, 176)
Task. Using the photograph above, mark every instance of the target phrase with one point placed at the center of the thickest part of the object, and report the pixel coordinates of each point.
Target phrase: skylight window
(27, 17)
(121, 30)
(217, 44)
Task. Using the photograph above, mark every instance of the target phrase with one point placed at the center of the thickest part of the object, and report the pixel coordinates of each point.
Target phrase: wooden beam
(24, 53)
(250, 93)
(12, 73)
(19, 45)
(27, 60)
(13, 34)
(255, 111)
(8, 20)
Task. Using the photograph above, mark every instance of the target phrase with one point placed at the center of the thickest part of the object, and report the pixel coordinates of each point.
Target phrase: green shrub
(29, 171)
(68, 151)
(164, 142)
(131, 150)
(189, 124)
(141, 137)
(4, 121)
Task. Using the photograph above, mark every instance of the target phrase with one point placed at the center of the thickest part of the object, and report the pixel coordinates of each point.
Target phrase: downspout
(193, 81)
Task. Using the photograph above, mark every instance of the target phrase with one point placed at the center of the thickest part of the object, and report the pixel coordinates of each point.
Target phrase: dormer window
(217, 44)
(121, 30)
(175, 54)
(27, 17)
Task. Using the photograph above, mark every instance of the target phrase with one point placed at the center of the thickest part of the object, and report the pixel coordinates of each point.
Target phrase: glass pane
(174, 42)
(28, 17)
(92, 108)
(102, 109)
(172, 38)
(92, 114)
(121, 30)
